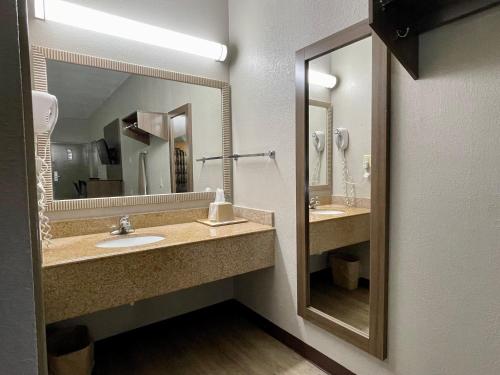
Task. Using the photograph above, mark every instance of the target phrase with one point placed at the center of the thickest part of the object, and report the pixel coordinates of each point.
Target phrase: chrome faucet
(314, 202)
(125, 227)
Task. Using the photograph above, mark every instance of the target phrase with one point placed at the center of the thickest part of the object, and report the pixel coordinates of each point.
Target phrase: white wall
(444, 234)
(206, 19)
(351, 100)
(71, 130)
(158, 95)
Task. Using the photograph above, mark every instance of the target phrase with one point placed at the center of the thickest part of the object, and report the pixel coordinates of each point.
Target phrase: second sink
(129, 241)
(326, 212)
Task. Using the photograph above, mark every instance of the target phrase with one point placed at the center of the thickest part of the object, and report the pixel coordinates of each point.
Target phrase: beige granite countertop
(77, 249)
(330, 232)
(348, 212)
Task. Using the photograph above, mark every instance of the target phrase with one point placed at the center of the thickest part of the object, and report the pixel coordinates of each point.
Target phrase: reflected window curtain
(180, 170)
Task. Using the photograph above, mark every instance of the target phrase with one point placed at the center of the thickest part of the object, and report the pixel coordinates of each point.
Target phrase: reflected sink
(326, 212)
(126, 241)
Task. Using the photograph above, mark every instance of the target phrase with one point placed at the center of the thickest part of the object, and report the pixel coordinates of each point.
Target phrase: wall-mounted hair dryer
(319, 140)
(45, 112)
(342, 138)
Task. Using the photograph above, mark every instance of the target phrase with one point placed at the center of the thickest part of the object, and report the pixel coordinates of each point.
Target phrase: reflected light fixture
(322, 79)
(90, 19)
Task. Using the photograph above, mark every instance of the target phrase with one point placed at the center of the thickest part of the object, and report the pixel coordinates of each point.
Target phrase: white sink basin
(326, 212)
(126, 241)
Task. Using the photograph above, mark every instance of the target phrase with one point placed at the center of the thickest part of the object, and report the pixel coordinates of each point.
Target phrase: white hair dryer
(45, 113)
(319, 140)
(342, 138)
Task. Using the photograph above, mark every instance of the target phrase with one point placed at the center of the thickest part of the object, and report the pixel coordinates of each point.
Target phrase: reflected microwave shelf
(141, 125)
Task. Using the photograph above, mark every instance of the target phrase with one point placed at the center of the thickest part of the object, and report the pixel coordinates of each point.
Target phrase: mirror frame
(321, 189)
(40, 55)
(375, 342)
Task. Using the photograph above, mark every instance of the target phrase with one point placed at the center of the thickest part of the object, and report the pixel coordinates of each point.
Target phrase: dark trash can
(70, 351)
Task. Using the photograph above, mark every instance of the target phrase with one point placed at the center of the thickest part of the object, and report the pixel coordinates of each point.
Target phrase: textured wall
(18, 336)
(206, 19)
(443, 299)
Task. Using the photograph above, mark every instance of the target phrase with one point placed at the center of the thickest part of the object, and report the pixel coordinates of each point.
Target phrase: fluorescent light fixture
(105, 23)
(40, 9)
(322, 79)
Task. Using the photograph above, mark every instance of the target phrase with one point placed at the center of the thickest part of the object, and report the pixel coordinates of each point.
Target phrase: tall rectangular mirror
(131, 131)
(342, 206)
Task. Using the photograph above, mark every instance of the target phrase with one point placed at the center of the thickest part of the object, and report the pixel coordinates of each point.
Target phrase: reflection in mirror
(320, 135)
(339, 215)
(121, 134)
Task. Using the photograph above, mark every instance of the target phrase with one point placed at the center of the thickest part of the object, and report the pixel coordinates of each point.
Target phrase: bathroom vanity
(166, 138)
(81, 278)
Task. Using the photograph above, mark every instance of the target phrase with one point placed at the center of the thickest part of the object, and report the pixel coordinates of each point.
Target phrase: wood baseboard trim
(308, 352)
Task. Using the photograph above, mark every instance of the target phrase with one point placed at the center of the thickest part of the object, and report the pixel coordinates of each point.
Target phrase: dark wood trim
(406, 49)
(302, 188)
(308, 352)
(379, 215)
(376, 342)
(338, 40)
(414, 17)
(453, 12)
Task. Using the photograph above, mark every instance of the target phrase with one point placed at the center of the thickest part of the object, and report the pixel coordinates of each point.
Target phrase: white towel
(143, 184)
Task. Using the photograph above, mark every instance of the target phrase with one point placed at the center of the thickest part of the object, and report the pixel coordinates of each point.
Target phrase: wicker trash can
(345, 270)
(70, 351)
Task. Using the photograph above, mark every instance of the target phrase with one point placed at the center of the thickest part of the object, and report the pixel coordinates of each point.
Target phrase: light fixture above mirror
(322, 79)
(109, 24)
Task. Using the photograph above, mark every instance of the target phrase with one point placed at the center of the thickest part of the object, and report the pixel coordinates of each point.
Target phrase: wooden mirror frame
(375, 342)
(40, 55)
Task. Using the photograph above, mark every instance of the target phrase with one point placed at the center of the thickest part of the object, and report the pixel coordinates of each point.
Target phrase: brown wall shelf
(141, 125)
(399, 23)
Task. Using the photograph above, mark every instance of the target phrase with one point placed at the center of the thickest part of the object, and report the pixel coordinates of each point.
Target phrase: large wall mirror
(131, 131)
(342, 186)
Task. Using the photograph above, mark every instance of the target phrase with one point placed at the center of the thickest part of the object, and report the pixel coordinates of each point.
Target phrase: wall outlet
(367, 162)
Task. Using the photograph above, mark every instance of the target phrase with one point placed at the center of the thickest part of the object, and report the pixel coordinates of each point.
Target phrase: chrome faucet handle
(125, 224)
(313, 202)
(124, 221)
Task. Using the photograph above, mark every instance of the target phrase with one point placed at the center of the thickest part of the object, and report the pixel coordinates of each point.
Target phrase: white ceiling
(79, 89)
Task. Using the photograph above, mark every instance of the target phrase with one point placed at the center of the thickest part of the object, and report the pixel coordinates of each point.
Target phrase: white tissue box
(220, 211)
